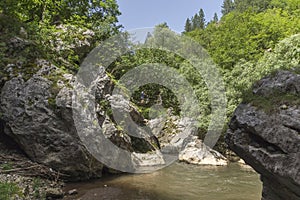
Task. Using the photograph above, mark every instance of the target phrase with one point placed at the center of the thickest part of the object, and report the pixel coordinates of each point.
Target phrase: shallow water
(178, 181)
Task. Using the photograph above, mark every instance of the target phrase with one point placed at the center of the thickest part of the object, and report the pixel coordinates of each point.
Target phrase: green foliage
(62, 32)
(252, 40)
(216, 18)
(254, 5)
(36, 186)
(274, 102)
(6, 166)
(227, 7)
(9, 191)
(256, 33)
(196, 22)
(188, 25)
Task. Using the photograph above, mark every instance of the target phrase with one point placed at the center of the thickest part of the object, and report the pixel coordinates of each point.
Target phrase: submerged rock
(269, 139)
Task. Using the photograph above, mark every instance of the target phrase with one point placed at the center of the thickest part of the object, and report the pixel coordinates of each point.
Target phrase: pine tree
(227, 7)
(195, 22)
(188, 25)
(216, 18)
(201, 19)
(148, 37)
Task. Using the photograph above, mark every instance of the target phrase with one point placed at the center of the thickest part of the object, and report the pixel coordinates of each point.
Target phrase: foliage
(246, 45)
(62, 32)
(9, 191)
(227, 7)
(196, 22)
(254, 5)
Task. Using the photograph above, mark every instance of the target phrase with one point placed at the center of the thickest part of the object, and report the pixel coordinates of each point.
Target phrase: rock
(54, 193)
(72, 192)
(177, 137)
(46, 133)
(38, 116)
(149, 159)
(270, 141)
(196, 152)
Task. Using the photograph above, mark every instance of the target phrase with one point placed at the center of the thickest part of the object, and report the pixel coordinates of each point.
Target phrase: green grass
(272, 102)
(9, 190)
(6, 166)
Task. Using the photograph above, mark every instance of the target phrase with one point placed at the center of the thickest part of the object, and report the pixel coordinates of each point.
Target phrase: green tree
(216, 18)
(201, 19)
(195, 22)
(255, 5)
(227, 7)
(188, 25)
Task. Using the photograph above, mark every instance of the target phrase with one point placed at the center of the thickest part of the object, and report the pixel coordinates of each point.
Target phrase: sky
(137, 14)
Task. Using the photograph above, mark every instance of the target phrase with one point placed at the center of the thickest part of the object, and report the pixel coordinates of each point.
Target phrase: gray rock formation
(177, 136)
(197, 153)
(43, 128)
(269, 140)
(37, 114)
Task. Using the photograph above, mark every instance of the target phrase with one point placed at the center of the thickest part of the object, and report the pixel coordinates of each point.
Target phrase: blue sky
(148, 13)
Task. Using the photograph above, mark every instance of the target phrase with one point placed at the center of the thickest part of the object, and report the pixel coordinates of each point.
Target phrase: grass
(37, 184)
(272, 102)
(9, 191)
(6, 166)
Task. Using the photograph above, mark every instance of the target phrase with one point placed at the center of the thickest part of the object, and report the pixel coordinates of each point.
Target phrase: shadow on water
(178, 181)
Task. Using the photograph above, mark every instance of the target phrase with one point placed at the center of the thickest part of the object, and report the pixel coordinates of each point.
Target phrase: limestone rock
(196, 152)
(270, 142)
(45, 133)
(38, 115)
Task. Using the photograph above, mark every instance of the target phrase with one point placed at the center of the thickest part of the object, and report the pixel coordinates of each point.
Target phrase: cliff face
(265, 132)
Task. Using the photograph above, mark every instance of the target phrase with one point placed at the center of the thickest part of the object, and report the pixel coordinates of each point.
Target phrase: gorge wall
(265, 132)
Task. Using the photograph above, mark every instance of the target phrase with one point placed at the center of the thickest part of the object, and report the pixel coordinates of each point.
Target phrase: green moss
(273, 102)
(52, 102)
(105, 105)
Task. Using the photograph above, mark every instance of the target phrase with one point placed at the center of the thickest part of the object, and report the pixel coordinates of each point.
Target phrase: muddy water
(178, 181)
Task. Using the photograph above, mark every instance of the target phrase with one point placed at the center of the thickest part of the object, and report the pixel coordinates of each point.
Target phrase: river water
(176, 182)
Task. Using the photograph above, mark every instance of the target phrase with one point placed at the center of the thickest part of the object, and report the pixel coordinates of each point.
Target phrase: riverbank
(23, 179)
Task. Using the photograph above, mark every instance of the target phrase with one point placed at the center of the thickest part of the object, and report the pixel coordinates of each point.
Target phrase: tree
(201, 19)
(188, 25)
(255, 5)
(227, 7)
(216, 18)
(195, 22)
(91, 12)
(148, 37)
(198, 20)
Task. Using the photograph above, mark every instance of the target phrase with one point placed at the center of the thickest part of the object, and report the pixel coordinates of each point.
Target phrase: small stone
(72, 192)
(284, 107)
(54, 193)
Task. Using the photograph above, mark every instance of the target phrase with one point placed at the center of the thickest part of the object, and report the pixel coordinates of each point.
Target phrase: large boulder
(265, 132)
(197, 153)
(37, 114)
(42, 125)
(177, 136)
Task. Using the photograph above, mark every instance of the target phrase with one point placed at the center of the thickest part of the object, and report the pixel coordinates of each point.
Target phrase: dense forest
(250, 40)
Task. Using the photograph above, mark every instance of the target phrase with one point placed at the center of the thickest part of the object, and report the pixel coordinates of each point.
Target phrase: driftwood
(21, 165)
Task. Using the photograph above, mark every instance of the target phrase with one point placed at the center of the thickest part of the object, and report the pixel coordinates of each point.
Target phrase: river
(176, 182)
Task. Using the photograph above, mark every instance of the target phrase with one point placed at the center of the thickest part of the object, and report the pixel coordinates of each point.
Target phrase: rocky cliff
(265, 132)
